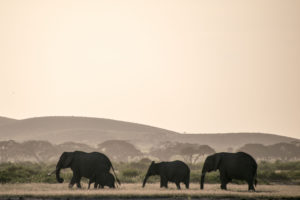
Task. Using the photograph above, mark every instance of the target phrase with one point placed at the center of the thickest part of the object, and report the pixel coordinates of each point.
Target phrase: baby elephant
(102, 179)
(176, 171)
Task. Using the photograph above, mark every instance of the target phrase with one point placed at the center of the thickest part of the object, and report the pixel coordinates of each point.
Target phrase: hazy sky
(194, 66)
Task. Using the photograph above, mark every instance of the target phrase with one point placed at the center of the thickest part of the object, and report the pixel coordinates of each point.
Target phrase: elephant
(83, 165)
(102, 179)
(238, 165)
(175, 171)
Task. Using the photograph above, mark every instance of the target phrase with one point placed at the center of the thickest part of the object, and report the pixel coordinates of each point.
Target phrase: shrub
(130, 173)
(279, 172)
(195, 176)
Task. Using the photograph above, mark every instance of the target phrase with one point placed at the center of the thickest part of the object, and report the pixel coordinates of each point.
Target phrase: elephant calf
(83, 165)
(239, 166)
(176, 171)
(102, 179)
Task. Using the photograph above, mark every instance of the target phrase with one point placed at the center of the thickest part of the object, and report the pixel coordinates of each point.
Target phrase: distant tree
(145, 161)
(190, 153)
(202, 151)
(74, 146)
(119, 150)
(283, 151)
(256, 150)
(296, 142)
(42, 151)
(33, 151)
(164, 151)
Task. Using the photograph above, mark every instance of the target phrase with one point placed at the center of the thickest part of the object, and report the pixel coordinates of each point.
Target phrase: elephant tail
(187, 180)
(255, 178)
(115, 175)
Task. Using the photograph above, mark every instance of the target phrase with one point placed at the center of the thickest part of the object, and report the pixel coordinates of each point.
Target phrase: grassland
(151, 191)
(279, 180)
(279, 172)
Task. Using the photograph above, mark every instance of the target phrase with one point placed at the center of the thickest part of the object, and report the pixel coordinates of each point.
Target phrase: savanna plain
(279, 180)
(151, 191)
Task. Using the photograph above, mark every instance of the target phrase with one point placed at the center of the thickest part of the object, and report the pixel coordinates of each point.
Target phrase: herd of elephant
(96, 167)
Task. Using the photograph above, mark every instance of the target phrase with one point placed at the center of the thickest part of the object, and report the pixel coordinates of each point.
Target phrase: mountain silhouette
(93, 131)
(5, 120)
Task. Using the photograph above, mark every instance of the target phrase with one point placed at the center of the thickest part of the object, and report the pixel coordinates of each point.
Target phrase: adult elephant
(175, 171)
(83, 165)
(239, 166)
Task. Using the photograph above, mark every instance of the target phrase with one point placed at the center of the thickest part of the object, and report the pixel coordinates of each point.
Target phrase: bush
(195, 176)
(130, 173)
(5, 177)
(212, 177)
(279, 172)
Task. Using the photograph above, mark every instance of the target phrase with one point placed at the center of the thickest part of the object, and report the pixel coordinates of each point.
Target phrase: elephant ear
(68, 160)
(217, 162)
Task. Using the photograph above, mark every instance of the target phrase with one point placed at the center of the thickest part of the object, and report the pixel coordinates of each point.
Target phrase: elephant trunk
(58, 178)
(145, 180)
(202, 180)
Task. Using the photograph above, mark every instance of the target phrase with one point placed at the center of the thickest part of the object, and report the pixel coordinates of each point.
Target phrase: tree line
(124, 151)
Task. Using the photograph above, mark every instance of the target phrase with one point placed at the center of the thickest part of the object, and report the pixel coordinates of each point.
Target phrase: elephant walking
(176, 171)
(83, 165)
(239, 166)
(102, 179)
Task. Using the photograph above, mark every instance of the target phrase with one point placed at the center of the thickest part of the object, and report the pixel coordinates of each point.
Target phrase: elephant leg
(178, 185)
(166, 184)
(187, 183)
(163, 182)
(78, 183)
(223, 186)
(250, 184)
(224, 181)
(72, 182)
(77, 180)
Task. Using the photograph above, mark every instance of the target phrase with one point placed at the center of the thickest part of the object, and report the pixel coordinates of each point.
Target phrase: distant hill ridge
(5, 120)
(93, 131)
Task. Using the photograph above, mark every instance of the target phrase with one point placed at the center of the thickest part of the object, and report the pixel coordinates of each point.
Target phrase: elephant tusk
(50, 173)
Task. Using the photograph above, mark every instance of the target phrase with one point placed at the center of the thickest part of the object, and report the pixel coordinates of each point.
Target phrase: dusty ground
(151, 191)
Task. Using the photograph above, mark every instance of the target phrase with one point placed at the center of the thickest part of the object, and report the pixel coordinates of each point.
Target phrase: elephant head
(152, 170)
(65, 161)
(107, 179)
(111, 181)
(212, 163)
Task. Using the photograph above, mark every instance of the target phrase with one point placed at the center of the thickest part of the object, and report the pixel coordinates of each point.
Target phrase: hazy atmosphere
(186, 66)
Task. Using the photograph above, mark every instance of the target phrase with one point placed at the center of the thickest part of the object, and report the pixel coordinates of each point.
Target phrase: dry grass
(151, 190)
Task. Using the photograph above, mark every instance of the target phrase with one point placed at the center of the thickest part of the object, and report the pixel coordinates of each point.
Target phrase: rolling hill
(93, 131)
(5, 120)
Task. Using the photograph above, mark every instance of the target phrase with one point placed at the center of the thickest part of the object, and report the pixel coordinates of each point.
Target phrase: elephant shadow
(247, 191)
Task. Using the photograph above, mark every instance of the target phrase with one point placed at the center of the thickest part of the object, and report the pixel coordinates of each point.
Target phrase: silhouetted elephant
(176, 171)
(83, 165)
(239, 166)
(102, 179)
